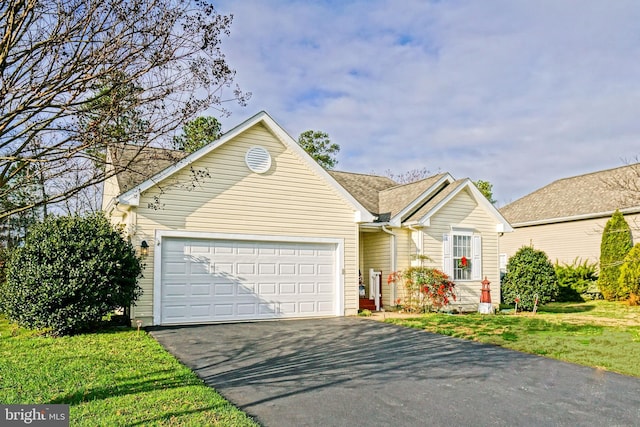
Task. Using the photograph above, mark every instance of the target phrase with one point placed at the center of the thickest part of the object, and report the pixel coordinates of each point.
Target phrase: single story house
(566, 218)
(250, 227)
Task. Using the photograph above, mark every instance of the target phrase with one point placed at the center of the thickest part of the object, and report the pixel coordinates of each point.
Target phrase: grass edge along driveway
(604, 335)
(116, 377)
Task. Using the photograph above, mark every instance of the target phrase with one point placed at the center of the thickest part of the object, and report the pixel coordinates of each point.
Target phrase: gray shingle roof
(395, 199)
(593, 194)
(364, 188)
(135, 164)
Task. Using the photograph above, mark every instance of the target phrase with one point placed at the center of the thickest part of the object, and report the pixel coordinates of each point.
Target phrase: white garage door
(212, 280)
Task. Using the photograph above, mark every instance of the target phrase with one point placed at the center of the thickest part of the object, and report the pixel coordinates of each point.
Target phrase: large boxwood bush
(529, 274)
(70, 273)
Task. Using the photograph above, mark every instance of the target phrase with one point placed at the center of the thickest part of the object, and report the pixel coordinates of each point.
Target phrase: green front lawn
(600, 334)
(114, 378)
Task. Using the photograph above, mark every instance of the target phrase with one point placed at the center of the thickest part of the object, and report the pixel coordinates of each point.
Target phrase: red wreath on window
(463, 263)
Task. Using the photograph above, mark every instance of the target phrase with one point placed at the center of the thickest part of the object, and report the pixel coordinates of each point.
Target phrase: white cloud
(517, 93)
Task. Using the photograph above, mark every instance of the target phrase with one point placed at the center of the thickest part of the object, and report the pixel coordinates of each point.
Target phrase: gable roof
(365, 188)
(132, 195)
(432, 206)
(592, 195)
(397, 201)
(412, 203)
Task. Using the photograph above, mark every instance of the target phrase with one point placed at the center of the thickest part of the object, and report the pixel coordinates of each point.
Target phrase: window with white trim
(462, 255)
(462, 258)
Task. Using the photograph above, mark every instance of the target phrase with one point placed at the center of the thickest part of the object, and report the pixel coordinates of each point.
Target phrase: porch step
(367, 304)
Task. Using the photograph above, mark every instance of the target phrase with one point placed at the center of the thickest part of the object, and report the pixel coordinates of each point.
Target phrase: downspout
(394, 265)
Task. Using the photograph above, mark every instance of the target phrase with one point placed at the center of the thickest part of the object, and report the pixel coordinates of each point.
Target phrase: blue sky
(519, 93)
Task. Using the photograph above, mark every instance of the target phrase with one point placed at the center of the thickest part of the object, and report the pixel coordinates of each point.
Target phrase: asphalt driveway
(357, 372)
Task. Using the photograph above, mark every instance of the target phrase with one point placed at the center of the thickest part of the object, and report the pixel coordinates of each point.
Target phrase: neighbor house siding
(288, 200)
(565, 241)
(463, 211)
(376, 255)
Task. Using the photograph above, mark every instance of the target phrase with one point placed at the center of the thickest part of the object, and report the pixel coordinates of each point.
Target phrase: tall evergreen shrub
(629, 280)
(616, 243)
(70, 273)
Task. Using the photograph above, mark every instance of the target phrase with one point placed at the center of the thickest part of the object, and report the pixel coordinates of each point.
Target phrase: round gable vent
(258, 160)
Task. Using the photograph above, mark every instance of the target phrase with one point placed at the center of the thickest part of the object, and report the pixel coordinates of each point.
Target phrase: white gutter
(394, 265)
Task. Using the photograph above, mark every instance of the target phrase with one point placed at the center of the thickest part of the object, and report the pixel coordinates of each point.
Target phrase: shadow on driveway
(352, 371)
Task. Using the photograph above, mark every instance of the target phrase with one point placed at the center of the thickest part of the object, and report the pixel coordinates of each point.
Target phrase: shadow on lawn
(158, 380)
(566, 308)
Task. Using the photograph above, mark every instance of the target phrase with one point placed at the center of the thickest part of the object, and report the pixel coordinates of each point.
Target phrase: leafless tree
(63, 61)
(409, 176)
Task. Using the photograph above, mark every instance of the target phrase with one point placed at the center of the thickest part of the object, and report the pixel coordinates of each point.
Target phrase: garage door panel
(223, 280)
(267, 288)
(307, 288)
(287, 289)
(224, 289)
(200, 289)
(307, 269)
(325, 288)
(269, 268)
(222, 268)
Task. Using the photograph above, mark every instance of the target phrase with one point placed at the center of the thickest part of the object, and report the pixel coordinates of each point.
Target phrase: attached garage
(218, 278)
(247, 228)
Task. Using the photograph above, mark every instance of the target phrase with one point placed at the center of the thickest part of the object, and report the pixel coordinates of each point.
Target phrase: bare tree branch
(55, 57)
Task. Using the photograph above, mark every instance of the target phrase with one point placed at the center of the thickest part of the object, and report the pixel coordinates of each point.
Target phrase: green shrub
(629, 279)
(575, 280)
(70, 273)
(529, 273)
(616, 242)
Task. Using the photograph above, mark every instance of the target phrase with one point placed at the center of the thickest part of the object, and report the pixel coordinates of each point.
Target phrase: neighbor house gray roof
(135, 164)
(594, 194)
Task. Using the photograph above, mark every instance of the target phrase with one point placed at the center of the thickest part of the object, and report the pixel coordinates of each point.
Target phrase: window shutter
(476, 265)
(447, 261)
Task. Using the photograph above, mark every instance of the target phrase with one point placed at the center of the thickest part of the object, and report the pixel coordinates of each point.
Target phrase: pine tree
(616, 243)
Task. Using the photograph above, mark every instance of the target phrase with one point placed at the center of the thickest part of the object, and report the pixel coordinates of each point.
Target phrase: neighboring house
(250, 227)
(566, 218)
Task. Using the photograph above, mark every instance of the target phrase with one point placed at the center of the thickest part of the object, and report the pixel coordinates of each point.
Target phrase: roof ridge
(595, 173)
(362, 174)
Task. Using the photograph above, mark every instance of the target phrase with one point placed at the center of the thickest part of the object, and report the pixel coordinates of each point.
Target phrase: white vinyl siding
(288, 200)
